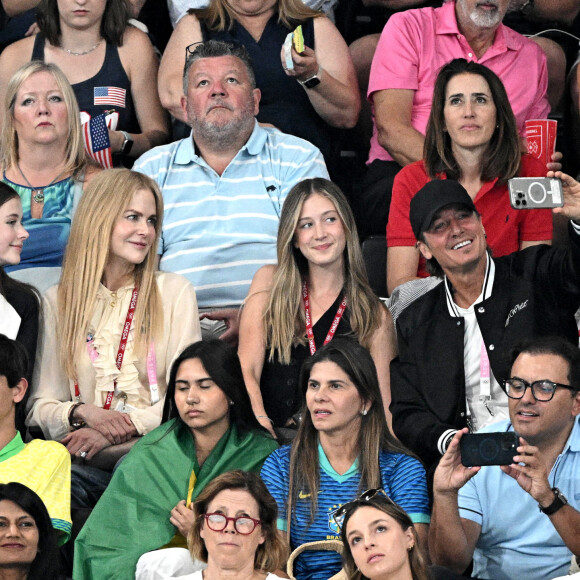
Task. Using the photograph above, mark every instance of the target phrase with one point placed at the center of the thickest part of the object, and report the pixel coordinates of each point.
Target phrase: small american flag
(97, 143)
(109, 96)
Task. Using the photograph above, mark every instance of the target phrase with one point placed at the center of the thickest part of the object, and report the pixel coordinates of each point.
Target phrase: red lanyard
(309, 331)
(121, 351)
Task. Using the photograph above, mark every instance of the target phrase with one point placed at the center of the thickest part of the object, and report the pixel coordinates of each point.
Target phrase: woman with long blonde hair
(318, 290)
(112, 327)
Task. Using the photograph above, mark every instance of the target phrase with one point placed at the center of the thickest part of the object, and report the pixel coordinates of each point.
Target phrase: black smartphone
(535, 192)
(488, 448)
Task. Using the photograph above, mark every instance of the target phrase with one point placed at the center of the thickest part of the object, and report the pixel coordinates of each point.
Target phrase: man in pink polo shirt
(413, 46)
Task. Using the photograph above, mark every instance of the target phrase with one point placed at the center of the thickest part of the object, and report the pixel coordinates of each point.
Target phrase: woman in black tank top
(110, 65)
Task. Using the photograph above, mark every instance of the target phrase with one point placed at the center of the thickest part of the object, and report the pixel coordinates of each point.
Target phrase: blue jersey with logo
(403, 479)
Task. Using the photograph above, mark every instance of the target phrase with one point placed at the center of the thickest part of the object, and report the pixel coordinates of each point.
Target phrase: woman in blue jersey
(343, 446)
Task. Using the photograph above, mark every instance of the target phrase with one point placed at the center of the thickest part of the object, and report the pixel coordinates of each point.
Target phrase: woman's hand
(305, 64)
(555, 162)
(266, 422)
(182, 518)
(85, 443)
(117, 139)
(116, 427)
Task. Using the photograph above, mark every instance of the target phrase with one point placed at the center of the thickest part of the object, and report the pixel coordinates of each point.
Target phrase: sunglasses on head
(365, 496)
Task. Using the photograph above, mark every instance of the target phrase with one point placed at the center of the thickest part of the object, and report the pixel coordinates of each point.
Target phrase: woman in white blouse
(111, 330)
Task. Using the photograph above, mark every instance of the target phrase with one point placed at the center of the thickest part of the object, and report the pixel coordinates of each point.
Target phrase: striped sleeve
(405, 482)
(274, 474)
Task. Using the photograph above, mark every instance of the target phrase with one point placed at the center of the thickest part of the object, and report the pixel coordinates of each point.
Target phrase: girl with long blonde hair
(318, 289)
(113, 325)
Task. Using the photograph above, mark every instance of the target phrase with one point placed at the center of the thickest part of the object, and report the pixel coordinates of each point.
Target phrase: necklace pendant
(38, 195)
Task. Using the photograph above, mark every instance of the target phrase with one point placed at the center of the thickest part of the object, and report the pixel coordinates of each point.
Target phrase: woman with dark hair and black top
(209, 428)
(25, 523)
(110, 64)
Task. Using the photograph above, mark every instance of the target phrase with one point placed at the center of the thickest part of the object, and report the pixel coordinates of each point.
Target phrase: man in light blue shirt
(224, 186)
(519, 520)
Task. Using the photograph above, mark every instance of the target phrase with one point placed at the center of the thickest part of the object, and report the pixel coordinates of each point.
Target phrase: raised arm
(252, 342)
(336, 99)
(392, 110)
(452, 539)
(530, 472)
(140, 62)
(186, 32)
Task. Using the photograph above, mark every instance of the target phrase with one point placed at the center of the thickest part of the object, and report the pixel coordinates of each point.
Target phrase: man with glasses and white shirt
(519, 520)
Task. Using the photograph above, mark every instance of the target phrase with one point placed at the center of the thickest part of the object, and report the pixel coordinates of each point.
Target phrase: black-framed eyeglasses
(363, 497)
(244, 525)
(542, 390)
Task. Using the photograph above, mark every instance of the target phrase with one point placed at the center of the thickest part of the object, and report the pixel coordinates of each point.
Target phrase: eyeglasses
(363, 497)
(244, 525)
(542, 390)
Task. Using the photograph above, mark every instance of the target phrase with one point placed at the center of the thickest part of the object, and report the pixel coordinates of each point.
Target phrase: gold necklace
(37, 192)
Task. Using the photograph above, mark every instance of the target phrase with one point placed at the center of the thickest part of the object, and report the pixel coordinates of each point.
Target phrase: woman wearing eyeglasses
(234, 529)
(343, 445)
(209, 429)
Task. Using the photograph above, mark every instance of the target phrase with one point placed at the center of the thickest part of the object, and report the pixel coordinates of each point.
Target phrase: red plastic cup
(541, 138)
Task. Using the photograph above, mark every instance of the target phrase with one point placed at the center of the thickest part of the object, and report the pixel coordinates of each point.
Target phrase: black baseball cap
(435, 196)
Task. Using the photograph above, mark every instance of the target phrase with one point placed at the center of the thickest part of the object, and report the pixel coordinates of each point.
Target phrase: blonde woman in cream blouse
(110, 285)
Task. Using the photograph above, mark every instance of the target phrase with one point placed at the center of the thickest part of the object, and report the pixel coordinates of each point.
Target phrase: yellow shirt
(44, 467)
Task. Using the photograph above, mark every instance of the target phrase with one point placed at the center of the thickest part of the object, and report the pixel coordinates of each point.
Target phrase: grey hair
(216, 48)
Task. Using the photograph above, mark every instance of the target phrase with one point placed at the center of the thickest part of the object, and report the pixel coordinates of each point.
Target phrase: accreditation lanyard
(121, 351)
(309, 331)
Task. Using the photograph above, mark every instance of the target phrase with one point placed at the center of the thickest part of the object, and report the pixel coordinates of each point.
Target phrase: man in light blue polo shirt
(224, 187)
(520, 520)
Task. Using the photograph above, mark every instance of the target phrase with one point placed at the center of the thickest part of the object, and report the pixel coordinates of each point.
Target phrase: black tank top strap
(38, 49)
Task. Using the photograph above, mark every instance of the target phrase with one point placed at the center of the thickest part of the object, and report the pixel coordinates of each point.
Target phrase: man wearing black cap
(454, 340)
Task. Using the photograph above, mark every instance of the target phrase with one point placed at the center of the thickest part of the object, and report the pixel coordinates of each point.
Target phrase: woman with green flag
(209, 429)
